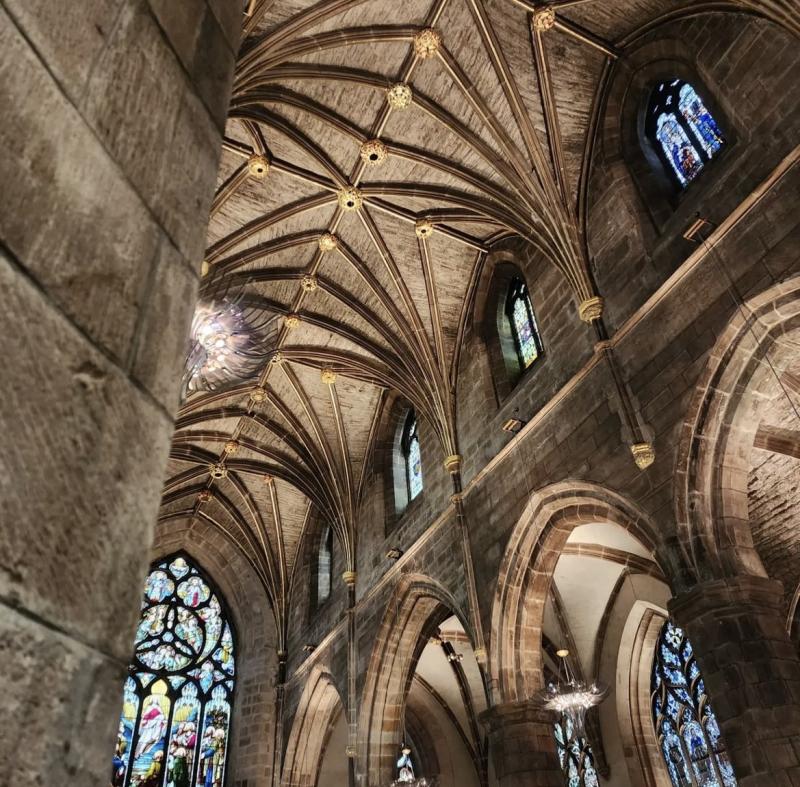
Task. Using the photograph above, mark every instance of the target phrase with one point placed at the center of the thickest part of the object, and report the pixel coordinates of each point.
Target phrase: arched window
(685, 724)
(519, 312)
(324, 565)
(682, 130)
(176, 709)
(409, 444)
(575, 756)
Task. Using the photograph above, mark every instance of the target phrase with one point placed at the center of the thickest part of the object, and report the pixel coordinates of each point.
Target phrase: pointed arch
(526, 572)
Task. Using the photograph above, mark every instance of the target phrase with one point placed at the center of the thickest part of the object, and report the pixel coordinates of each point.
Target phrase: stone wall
(662, 345)
(113, 115)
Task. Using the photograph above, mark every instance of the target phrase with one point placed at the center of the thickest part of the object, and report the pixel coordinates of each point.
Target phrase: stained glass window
(685, 724)
(575, 756)
(412, 456)
(683, 131)
(324, 565)
(176, 706)
(523, 324)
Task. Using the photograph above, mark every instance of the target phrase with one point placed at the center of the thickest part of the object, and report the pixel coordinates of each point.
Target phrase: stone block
(80, 475)
(163, 335)
(61, 701)
(140, 102)
(68, 213)
(68, 37)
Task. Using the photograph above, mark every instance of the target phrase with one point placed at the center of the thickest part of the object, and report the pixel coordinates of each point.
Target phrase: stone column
(522, 747)
(751, 672)
(110, 135)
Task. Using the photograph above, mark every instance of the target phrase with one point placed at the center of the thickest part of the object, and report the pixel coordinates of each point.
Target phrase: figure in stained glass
(684, 720)
(412, 455)
(182, 673)
(524, 332)
(683, 132)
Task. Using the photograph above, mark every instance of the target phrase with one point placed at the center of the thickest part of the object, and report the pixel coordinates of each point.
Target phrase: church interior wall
(108, 307)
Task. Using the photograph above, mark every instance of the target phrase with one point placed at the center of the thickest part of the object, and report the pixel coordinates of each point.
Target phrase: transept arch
(526, 571)
(748, 369)
(415, 609)
(319, 709)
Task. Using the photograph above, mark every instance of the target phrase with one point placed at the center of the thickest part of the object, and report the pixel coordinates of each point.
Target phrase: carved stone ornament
(328, 376)
(257, 167)
(268, 479)
(277, 359)
(308, 283)
(204, 496)
(258, 394)
(350, 198)
(350, 751)
(349, 578)
(218, 470)
(328, 241)
(591, 309)
(291, 321)
(423, 228)
(400, 96)
(644, 454)
(232, 446)
(373, 152)
(427, 43)
(544, 19)
(452, 463)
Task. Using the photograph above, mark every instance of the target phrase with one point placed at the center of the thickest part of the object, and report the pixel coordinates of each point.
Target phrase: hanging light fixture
(569, 697)
(230, 338)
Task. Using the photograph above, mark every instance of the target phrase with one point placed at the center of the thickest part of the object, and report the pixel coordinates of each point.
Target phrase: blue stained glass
(575, 756)
(186, 647)
(412, 456)
(684, 131)
(415, 468)
(685, 723)
(700, 120)
(678, 149)
(523, 325)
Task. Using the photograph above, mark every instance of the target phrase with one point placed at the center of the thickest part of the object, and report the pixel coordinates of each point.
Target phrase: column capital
(510, 713)
(733, 593)
(522, 744)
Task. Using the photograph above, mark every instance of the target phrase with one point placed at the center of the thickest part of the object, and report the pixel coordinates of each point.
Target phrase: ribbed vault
(496, 141)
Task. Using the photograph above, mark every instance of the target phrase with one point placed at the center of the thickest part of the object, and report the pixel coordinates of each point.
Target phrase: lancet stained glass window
(684, 133)
(176, 711)
(685, 724)
(523, 324)
(575, 756)
(412, 456)
(324, 565)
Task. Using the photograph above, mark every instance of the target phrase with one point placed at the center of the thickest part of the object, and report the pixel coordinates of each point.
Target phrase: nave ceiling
(494, 143)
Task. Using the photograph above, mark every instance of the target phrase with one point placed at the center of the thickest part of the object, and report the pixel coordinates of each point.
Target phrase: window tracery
(524, 332)
(412, 456)
(175, 721)
(574, 755)
(687, 729)
(684, 133)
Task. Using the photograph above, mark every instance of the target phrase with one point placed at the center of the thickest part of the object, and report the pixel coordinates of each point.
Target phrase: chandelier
(570, 697)
(405, 771)
(229, 342)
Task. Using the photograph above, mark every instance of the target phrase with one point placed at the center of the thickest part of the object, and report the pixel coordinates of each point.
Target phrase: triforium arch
(743, 374)
(319, 708)
(526, 572)
(222, 561)
(413, 612)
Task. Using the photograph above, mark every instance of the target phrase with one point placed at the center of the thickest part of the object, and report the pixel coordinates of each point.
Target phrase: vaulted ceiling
(494, 143)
